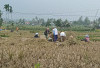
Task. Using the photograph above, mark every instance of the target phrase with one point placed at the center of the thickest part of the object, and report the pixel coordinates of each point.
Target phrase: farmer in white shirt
(62, 36)
(55, 34)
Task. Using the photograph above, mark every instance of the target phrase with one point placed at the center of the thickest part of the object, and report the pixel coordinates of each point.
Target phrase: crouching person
(87, 39)
(50, 38)
(36, 35)
(62, 36)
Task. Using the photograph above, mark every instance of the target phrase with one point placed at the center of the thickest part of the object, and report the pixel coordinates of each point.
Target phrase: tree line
(62, 23)
(51, 21)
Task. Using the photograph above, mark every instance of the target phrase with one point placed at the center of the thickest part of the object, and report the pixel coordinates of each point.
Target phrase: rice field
(22, 50)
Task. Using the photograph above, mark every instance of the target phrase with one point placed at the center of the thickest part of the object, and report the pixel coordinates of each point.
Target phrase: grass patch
(4, 35)
(37, 66)
(80, 37)
(95, 39)
(94, 36)
(91, 38)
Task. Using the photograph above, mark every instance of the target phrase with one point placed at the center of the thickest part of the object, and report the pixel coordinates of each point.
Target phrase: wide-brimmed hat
(36, 33)
(87, 35)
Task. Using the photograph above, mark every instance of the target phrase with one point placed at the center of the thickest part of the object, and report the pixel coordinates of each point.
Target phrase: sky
(70, 9)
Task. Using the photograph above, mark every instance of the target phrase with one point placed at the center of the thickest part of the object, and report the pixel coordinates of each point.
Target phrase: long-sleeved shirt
(55, 31)
(62, 34)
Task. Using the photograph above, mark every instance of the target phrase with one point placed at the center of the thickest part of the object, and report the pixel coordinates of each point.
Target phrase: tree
(37, 20)
(58, 23)
(80, 21)
(48, 22)
(86, 21)
(65, 23)
(8, 9)
(1, 20)
(21, 21)
(99, 20)
(43, 22)
(74, 22)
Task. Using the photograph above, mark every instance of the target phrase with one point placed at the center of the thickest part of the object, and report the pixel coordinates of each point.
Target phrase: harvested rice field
(22, 50)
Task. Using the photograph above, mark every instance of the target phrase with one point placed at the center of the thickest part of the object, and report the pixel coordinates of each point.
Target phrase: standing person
(17, 29)
(46, 33)
(62, 36)
(55, 34)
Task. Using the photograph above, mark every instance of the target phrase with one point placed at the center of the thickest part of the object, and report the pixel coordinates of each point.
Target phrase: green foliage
(6, 7)
(48, 22)
(43, 24)
(81, 21)
(65, 24)
(12, 24)
(1, 20)
(80, 37)
(58, 23)
(97, 30)
(37, 66)
(80, 28)
(21, 21)
(4, 35)
(86, 21)
(37, 21)
(95, 39)
(10, 9)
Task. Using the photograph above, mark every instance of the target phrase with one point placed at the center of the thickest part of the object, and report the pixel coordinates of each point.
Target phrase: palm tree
(10, 10)
(1, 20)
(0, 13)
(6, 7)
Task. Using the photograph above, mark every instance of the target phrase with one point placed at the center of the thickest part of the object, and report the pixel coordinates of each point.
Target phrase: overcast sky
(58, 8)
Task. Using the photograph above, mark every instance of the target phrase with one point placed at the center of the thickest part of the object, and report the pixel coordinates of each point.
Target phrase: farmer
(50, 37)
(62, 36)
(36, 35)
(55, 34)
(46, 33)
(17, 29)
(87, 39)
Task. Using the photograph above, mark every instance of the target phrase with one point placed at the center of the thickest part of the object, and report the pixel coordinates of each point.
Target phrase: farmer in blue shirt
(55, 34)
